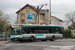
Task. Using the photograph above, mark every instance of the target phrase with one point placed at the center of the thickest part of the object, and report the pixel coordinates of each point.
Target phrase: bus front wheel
(32, 39)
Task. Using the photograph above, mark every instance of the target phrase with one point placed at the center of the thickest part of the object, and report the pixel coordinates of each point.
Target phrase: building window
(27, 9)
(22, 19)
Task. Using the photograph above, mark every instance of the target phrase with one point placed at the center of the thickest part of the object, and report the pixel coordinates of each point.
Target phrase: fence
(4, 36)
(68, 34)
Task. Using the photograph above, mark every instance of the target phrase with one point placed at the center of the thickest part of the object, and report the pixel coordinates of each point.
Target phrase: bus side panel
(48, 36)
(57, 36)
(28, 36)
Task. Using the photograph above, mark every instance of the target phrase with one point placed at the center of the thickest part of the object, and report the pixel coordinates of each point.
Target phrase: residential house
(29, 9)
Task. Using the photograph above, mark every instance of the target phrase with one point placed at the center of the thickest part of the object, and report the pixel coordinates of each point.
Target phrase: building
(28, 9)
(64, 24)
(56, 21)
(42, 18)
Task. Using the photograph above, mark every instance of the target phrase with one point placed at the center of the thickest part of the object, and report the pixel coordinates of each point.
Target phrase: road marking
(60, 48)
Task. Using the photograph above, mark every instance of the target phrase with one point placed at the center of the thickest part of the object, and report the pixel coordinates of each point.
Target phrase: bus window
(43, 29)
(58, 30)
(26, 30)
(52, 30)
(40, 30)
(16, 31)
(32, 29)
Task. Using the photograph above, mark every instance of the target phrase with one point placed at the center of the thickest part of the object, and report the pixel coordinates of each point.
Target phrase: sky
(58, 7)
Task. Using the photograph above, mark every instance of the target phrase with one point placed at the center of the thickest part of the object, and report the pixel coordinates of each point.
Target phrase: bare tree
(1, 12)
(4, 20)
(70, 17)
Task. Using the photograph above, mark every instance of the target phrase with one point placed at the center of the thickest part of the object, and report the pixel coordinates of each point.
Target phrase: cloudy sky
(58, 7)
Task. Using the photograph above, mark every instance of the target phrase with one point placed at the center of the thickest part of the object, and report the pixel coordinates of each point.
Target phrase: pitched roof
(27, 5)
(42, 10)
(57, 18)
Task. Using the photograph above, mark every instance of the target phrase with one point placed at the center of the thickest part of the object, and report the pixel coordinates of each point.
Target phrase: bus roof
(42, 25)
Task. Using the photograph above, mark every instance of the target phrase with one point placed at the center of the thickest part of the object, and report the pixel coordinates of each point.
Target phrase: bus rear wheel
(32, 39)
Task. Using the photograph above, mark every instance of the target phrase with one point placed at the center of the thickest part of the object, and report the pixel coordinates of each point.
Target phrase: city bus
(22, 32)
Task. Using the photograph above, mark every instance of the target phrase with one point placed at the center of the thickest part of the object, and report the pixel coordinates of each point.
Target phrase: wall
(55, 21)
(31, 11)
(23, 11)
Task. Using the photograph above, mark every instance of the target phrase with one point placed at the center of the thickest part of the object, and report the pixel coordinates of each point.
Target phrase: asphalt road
(55, 43)
(40, 45)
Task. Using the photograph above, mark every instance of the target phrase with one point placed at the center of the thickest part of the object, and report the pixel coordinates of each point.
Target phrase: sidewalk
(73, 40)
(60, 48)
(3, 42)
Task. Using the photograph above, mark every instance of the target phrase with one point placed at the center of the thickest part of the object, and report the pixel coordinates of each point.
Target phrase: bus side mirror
(8, 28)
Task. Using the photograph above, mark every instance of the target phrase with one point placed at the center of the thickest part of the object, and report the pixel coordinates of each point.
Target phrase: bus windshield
(16, 31)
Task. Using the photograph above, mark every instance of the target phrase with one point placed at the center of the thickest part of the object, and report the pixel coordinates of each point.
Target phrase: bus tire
(53, 38)
(21, 41)
(32, 39)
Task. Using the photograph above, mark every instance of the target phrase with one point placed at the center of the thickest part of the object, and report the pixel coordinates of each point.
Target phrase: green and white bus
(21, 32)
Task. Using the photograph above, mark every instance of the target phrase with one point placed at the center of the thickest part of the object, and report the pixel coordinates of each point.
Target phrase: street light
(50, 11)
(38, 9)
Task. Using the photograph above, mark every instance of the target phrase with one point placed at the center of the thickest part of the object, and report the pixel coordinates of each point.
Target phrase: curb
(4, 43)
(7, 42)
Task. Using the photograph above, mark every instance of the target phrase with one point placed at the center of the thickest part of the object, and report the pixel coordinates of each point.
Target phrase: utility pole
(38, 9)
(50, 11)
